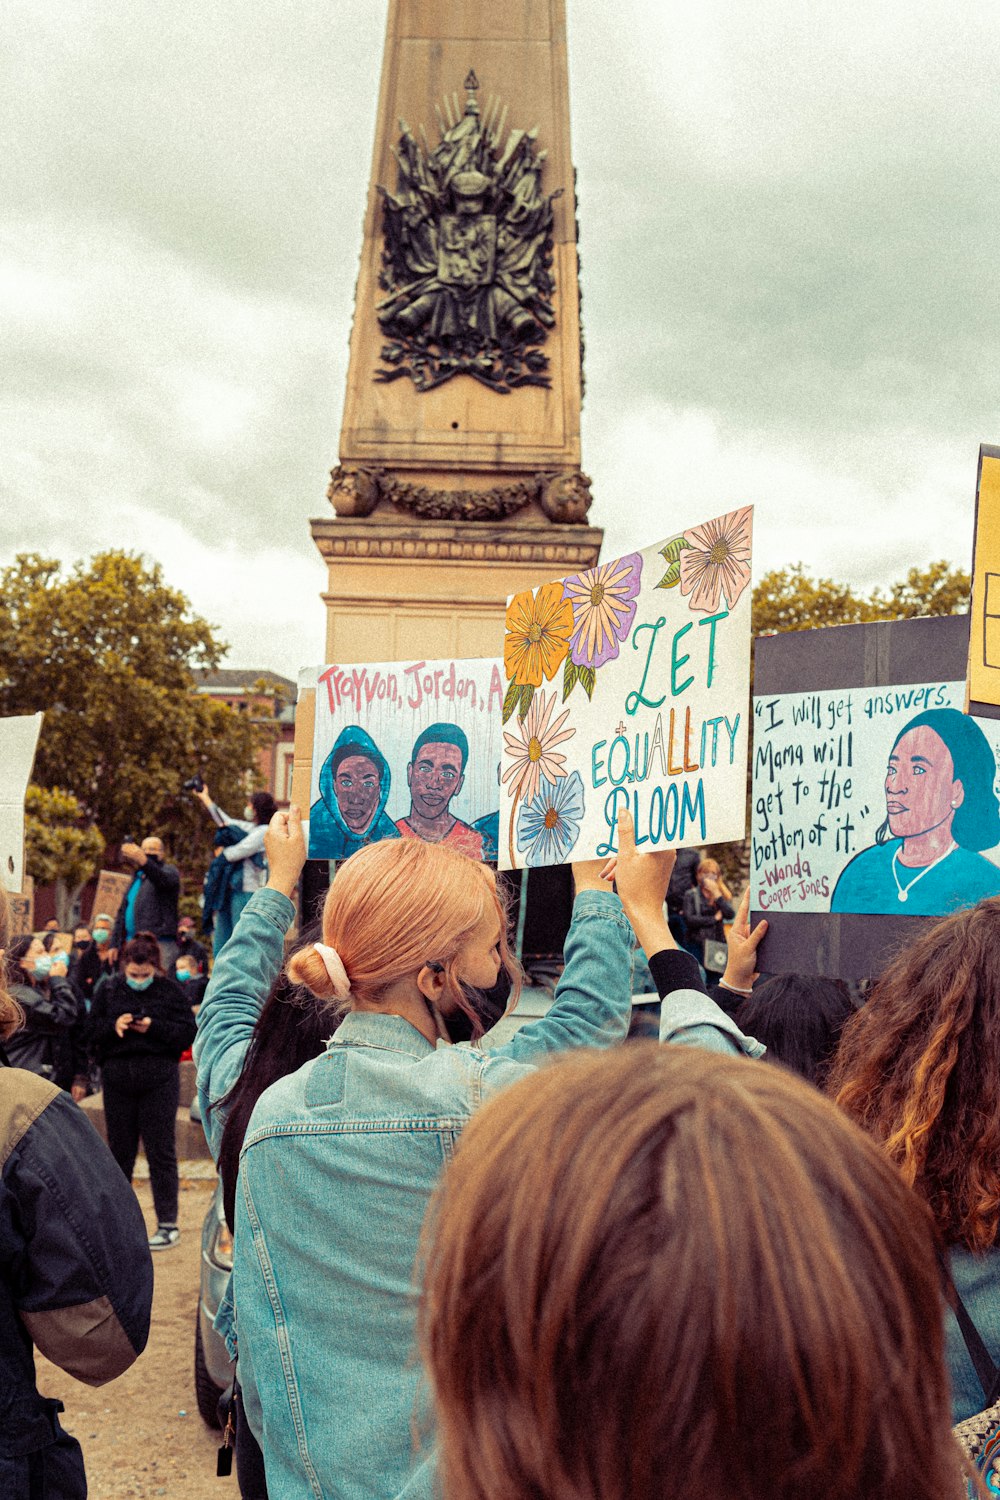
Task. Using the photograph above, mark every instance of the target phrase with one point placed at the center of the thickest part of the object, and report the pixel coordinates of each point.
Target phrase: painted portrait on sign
(405, 750)
(874, 800)
(941, 810)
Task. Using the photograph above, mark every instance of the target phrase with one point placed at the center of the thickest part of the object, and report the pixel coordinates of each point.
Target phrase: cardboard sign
(18, 742)
(877, 800)
(627, 686)
(983, 682)
(22, 908)
(110, 894)
(400, 750)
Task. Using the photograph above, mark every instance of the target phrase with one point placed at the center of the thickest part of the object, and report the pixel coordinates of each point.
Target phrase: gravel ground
(141, 1434)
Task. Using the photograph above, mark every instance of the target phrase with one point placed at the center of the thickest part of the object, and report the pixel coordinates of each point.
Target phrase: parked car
(213, 1369)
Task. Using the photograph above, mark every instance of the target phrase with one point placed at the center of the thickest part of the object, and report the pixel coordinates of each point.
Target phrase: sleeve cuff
(673, 969)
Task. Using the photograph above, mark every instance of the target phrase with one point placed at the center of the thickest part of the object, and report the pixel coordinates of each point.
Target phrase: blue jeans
(226, 919)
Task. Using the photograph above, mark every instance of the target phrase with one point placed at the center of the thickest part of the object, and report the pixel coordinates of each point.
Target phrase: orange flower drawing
(538, 631)
(716, 560)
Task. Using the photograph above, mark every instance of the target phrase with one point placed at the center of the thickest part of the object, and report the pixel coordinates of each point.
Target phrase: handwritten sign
(874, 800)
(18, 742)
(109, 895)
(22, 908)
(983, 683)
(627, 686)
(401, 750)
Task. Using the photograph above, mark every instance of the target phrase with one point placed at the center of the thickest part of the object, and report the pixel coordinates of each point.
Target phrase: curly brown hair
(919, 1068)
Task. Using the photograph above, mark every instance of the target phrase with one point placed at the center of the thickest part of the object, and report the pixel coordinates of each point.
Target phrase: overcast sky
(789, 243)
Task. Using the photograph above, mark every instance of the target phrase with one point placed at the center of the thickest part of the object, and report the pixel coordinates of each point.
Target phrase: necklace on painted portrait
(904, 890)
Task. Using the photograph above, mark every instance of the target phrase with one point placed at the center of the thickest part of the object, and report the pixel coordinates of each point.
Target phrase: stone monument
(459, 479)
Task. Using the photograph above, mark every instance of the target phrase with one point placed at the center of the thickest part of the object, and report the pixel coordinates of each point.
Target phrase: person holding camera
(247, 854)
(150, 903)
(140, 1023)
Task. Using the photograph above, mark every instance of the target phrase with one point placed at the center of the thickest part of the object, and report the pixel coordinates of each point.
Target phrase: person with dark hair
(189, 946)
(49, 1041)
(254, 1027)
(941, 809)
(707, 907)
(354, 783)
(140, 1023)
(245, 854)
(655, 1274)
(435, 775)
(918, 1067)
(799, 1019)
(76, 1280)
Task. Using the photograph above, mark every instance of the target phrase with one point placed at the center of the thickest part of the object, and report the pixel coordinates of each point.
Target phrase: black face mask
(489, 1005)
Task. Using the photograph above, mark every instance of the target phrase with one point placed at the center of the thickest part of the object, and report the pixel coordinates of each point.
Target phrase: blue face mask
(184, 974)
(42, 966)
(139, 984)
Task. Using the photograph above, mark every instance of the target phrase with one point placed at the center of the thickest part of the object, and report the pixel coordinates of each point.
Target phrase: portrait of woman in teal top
(941, 810)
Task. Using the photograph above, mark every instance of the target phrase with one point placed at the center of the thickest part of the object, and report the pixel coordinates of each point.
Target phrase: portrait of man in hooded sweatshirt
(354, 787)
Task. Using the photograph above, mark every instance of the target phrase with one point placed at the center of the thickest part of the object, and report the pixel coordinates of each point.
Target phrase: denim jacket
(242, 977)
(339, 1163)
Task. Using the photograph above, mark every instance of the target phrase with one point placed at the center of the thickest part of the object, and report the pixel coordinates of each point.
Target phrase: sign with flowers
(628, 685)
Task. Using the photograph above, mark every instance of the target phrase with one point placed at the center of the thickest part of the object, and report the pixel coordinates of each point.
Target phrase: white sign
(627, 686)
(18, 742)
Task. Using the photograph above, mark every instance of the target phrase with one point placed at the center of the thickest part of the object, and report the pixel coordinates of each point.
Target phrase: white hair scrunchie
(334, 966)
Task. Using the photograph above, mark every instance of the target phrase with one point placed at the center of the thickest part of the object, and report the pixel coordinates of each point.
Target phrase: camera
(193, 784)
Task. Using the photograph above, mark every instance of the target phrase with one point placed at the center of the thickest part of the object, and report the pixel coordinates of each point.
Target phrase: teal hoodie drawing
(350, 810)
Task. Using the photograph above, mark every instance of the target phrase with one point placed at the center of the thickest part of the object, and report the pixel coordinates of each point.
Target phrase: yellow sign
(983, 686)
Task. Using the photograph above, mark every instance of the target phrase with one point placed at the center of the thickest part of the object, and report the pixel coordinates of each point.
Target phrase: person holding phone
(140, 1023)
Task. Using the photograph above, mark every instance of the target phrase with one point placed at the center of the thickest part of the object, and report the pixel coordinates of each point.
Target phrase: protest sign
(400, 750)
(627, 686)
(874, 800)
(983, 680)
(22, 908)
(110, 894)
(18, 740)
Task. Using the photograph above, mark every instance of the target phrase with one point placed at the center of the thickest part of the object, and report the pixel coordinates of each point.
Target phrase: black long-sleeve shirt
(172, 1027)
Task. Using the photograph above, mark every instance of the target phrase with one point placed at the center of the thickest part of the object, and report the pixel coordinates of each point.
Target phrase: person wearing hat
(436, 775)
(188, 945)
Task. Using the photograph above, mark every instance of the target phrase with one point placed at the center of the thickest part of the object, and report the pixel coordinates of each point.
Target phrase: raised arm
(245, 971)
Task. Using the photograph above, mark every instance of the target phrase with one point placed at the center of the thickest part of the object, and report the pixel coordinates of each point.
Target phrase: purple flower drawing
(603, 601)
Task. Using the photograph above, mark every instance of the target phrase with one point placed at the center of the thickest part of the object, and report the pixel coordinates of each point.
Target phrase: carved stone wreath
(467, 254)
(563, 496)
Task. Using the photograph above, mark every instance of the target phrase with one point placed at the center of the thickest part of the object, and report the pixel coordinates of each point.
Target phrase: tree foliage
(790, 599)
(60, 848)
(108, 653)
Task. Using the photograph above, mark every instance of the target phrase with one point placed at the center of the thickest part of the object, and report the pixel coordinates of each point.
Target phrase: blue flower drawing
(549, 825)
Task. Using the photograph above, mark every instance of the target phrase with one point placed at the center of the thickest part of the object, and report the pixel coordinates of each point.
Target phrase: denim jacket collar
(370, 1028)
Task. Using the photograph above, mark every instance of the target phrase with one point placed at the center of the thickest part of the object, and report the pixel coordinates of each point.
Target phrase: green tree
(108, 652)
(790, 599)
(60, 848)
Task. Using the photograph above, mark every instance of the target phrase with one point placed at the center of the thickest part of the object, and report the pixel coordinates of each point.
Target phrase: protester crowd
(756, 1257)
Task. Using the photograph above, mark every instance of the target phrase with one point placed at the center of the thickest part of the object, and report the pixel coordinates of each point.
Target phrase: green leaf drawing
(588, 676)
(671, 554)
(527, 693)
(510, 701)
(571, 677)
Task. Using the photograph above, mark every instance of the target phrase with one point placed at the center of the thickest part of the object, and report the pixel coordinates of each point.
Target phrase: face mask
(42, 966)
(82, 944)
(488, 1005)
(248, 812)
(139, 984)
(184, 974)
(101, 935)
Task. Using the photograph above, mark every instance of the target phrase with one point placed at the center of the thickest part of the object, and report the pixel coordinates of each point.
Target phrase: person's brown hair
(142, 949)
(918, 1067)
(11, 1015)
(396, 905)
(660, 1273)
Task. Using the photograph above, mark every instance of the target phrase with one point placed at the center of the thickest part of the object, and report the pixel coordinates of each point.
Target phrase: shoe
(165, 1236)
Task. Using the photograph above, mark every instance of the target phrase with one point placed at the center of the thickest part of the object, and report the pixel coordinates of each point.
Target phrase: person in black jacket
(707, 906)
(140, 1023)
(150, 903)
(50, 1040)
(76, 1280)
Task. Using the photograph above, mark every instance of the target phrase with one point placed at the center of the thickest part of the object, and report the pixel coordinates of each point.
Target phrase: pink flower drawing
(603, 601)
(716, 560)
(531, 752)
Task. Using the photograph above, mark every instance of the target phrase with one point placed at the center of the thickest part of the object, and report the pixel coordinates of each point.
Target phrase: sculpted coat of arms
(467, 256)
